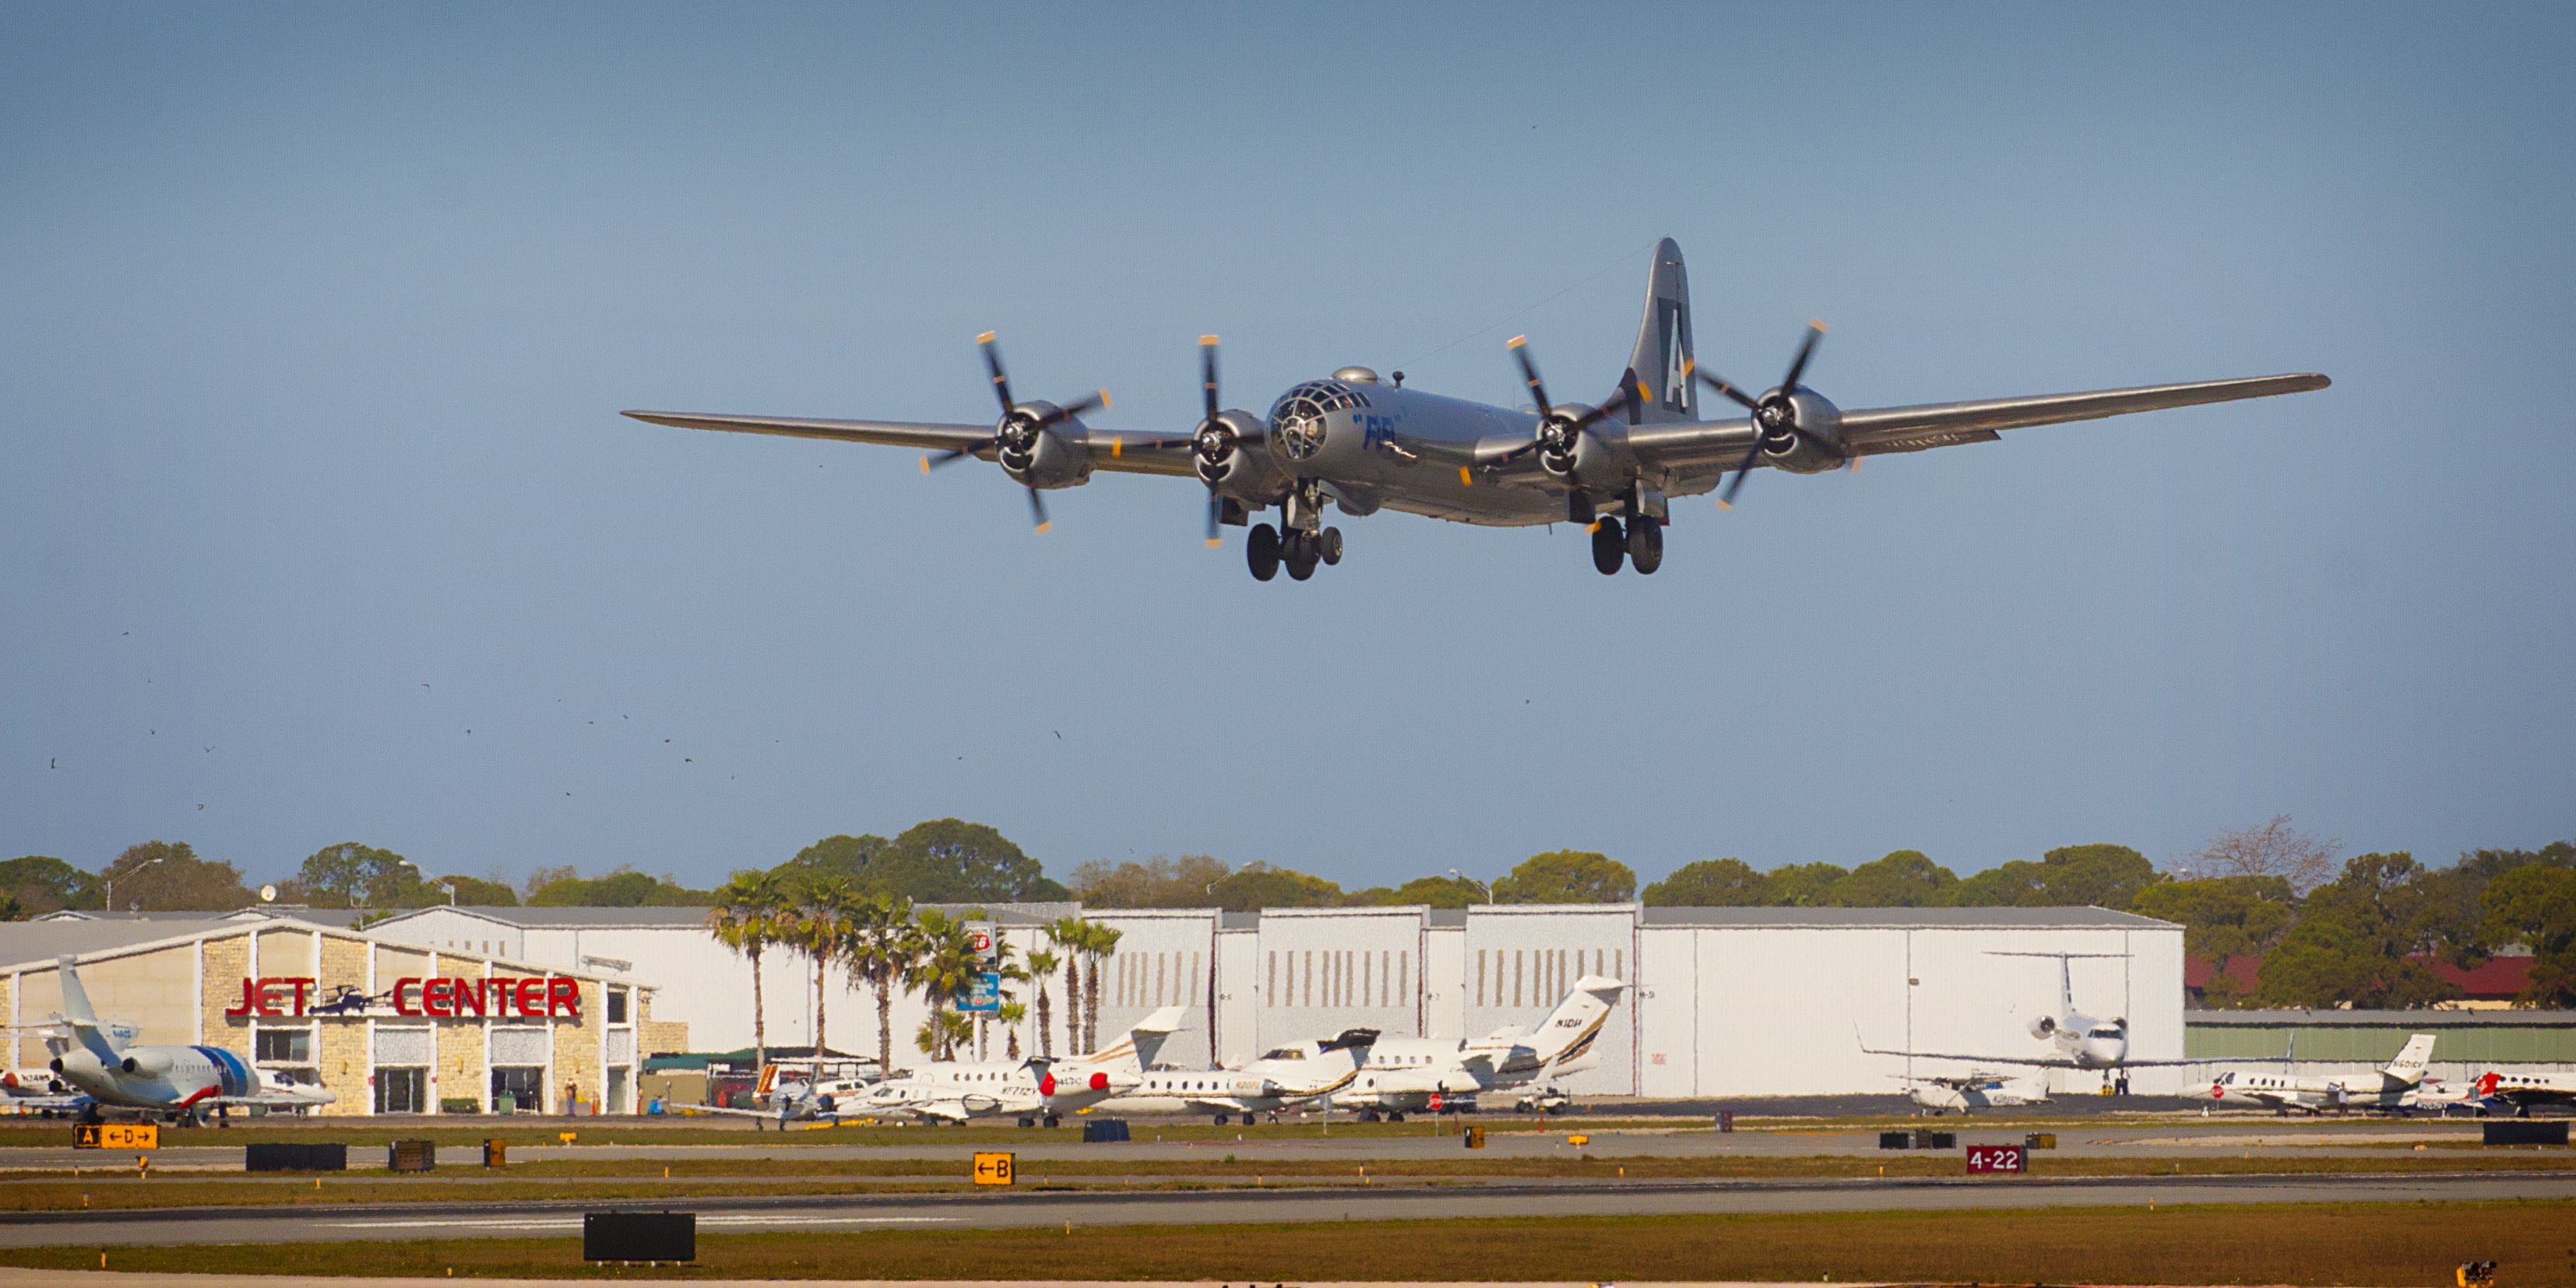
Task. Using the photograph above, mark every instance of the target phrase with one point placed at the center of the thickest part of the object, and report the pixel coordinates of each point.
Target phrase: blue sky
(314, 323)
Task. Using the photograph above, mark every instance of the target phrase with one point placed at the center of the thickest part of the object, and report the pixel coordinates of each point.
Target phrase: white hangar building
(1724, 1001)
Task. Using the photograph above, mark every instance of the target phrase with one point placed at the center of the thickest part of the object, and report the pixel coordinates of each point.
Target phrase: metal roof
(38, 943)
(1906, 918)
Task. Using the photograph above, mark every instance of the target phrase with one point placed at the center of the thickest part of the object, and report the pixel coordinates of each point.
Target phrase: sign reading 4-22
(1997, 1160)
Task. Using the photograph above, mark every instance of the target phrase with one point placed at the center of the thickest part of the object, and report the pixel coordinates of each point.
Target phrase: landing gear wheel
(1368, 1115)
(1395, 1116)
(1262, 552)
(1645, 545)
(1221, 1119)
(1026, 1121)
(1053, 1121)
(1331, 546)
(1609, 545)
(1301, 555)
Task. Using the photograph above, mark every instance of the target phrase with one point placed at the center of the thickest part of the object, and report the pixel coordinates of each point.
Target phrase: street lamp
(1489, 890)
(111, 881)
(448, 882)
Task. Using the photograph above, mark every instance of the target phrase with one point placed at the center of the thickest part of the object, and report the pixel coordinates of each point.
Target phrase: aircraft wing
(1119, 452)
(1882, 430)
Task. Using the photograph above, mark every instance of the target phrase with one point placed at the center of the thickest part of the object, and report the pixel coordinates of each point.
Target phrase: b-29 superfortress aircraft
(1365, 445)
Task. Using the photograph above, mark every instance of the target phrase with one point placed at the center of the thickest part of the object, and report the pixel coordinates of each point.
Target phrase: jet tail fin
(79, 1015)
(1149, 1034)
(1568, 1033)
(1659, 369)
(2408, 1068)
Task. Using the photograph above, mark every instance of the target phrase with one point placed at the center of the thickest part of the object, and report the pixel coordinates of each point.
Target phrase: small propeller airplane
(1363, 445)
(1963, 1094)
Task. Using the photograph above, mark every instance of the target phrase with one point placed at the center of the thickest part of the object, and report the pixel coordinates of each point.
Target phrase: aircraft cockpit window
(2105, 1033)
(1285, 1053)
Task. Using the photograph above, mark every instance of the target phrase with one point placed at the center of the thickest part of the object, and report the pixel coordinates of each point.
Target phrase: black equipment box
(1918, 1140)
(1095, 1130)
(2523, 1131)
(411, 1156)
(639, 1236)
(295, 1158)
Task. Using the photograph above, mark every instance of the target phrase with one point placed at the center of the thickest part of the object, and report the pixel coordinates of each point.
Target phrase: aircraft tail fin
(1145, 1040)
(1659, 369)
(79, 1014)
(2408, 1068)
(1569, 1032)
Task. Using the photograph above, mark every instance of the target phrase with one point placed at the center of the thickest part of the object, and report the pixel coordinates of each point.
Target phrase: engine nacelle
(2043, 1027)
(149, 1062)
(1597, 457)
(1247, 474)
(1816, 451)
(1043, 458)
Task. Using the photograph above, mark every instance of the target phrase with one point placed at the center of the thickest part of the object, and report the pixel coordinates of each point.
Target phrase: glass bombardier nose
(1297, 419)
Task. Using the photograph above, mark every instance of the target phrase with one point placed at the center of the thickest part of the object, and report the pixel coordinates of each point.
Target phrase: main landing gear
(1640, 542)
(1300, 542)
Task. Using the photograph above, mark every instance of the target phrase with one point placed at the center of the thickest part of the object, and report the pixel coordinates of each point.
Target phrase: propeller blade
(993, 363)
(1215, 512)
(1037, 510)
(952, 456)
(1806, 350)
(1519, 345)
(1207, 372)
(1094, 400)
(1738, 396)
(1726, 499)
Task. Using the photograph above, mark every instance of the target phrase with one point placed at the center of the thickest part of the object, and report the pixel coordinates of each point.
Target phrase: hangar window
(284, 1046)
(617, 1006)
(525, 1085)
(402, 1090)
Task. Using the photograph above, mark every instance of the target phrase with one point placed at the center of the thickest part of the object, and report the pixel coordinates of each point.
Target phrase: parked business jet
(1965, 1093)
(2520, 1091)
(2075, 1040)
(181, 1082)
(1612, 467)
(39, 1091)
(2394, 1089)
(1402, 1075)
(958, 1091)
(1288, 1077)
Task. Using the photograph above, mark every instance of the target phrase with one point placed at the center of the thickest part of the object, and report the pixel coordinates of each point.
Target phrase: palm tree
(880, 946)
(749, 916)
(940, 1032)
(824, 907)
(947, 965)
(1012, 1015)
(1066, 933)
(1098, 942)
(1042, 963)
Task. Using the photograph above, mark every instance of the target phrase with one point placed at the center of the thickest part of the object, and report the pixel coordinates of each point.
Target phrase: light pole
(111, 881)
(1488, 890)
(449, 882)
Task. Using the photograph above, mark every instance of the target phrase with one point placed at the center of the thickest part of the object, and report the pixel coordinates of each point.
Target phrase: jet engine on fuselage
(2044, 1027)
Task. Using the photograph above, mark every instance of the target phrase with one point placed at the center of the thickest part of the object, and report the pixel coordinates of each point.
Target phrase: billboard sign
(983, 994)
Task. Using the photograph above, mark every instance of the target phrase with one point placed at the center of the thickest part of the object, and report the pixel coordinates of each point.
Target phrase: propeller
(1016, 434)
(1774, 414)
(1214, 438)
(1558, 434)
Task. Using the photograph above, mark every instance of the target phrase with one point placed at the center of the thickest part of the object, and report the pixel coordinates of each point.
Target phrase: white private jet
(1288, 1077)
(103, 1062)
(2076, 1040)
(2394, 1089)
(957, 1091)
(1963, 1094)
(1404, 1075)
(2520, 1091)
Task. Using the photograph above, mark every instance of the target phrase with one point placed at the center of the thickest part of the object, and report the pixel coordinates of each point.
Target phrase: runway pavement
(1531, 1198)
(2171, 1137)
